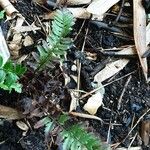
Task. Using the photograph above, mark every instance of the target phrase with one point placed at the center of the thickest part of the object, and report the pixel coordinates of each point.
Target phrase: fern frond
(9, 75)
(57, 41)
(73, 137)
(76, 138)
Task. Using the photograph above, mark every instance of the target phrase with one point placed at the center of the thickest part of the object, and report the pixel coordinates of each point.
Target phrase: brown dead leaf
(15, 45)
(99, 7)
(10, 113)
(111, 69)
(28, 41)
(145, 132)
(93, 103)
(147, 34)
(139, 33)
(81, 13)
(8, 7)
(4, 52)
(21, 125)
(74, 101)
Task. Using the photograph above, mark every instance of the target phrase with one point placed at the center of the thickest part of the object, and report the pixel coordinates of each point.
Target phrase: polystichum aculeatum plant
(57, 41)
(73, 137)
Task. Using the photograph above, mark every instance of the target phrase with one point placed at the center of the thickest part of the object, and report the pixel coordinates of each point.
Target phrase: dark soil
(134, 103)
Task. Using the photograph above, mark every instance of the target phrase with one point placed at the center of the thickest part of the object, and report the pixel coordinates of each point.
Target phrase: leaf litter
(45, 90)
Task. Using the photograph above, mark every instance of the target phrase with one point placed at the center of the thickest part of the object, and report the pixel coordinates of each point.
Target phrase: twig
(123, 91)
(93, 91)
(132, 140)
(133, 127)
(82, 115)
(79, 63)
(79, 30)
(120, 11)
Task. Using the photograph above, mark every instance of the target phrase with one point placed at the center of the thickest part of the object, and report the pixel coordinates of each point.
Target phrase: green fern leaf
(57, 41)
(9, 75)
(76, 138)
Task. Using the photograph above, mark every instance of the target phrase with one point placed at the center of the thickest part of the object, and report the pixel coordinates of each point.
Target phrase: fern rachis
(57, 41)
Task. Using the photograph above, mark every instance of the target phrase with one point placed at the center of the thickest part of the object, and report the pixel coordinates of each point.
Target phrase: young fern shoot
(57, 41)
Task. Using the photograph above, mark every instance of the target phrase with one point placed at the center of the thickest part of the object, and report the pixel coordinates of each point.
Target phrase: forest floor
(125, 109)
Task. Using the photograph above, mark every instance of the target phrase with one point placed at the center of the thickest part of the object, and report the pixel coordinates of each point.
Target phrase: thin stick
(82, 115)
(120, 11)
(79, 63)
(93, 91)
(133, 127)
(132, 140)
(123, 91)
(108, 134)
(79, 30)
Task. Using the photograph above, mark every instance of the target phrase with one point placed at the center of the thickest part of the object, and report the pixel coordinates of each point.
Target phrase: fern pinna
(57, 41)
(73, 137)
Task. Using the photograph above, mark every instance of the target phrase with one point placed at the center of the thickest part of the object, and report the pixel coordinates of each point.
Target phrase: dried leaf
(145, 132)
(93, 103)
(139, 33)
(81, 13)
(21, 125)
(148, 34)
(4, 52)
(127, 51)
(25, 28)
(8, 7)
(111, 69)
(15, 45)
(74, 101)
(10, 113)
(99, 7)
(28, 41)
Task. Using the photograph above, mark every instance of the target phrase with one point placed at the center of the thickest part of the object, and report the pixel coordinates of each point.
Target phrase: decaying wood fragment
(140, 32)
